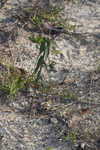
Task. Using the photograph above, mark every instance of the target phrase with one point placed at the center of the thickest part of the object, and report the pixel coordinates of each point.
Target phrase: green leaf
(40, 39)
(36, 20)
(22, 83)
(42, 46)
(47, 52)
(67, 27)
(48, 48)
(34, 39)
(55, 52)
(4, 89)
(40, 62)
(72, 27)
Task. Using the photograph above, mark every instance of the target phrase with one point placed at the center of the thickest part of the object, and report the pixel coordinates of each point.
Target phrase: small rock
(58, 77)
(54, 120)
(83, 145)
(98, 143)
(1, 134)
(44, 121)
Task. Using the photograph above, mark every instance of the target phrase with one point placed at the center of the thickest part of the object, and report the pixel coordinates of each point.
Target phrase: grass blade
(40, 62)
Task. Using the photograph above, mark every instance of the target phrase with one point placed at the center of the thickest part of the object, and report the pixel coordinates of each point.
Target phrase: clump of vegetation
(45, 44)
(12, 81)
(12, 84)
(54, 19)
(56, 24)
(70, 135)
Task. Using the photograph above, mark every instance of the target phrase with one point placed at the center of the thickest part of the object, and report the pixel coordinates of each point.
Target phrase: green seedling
(12, 84)
(48, 148)
(36, 39)
(44, 51)
(56, 10)
(4, 89)
(71, 136)
(72, 27)
(15, 85)
(55, 52)
(36, 20)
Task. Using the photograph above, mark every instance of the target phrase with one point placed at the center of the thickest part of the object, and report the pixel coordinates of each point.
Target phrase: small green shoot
(36, 20)
(71, 136)
(55, 52)
(13, 83)
(48, 148)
